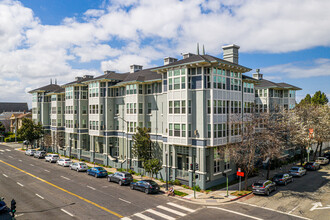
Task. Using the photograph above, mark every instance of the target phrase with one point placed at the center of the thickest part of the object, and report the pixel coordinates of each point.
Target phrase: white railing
(182, 174)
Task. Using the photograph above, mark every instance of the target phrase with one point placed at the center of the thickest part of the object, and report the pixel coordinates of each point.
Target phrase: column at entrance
(174, 162)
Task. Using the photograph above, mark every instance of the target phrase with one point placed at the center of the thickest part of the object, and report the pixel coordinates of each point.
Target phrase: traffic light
(191, 167)
(13, 207)
(196, 176)
(196, 166)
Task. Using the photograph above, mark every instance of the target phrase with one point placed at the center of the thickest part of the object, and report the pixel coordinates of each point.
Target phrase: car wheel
(109, 179)
(285, 183)
(77, 170)
(95, 175)
(267, 192)
(132, 187)
(275, 188)
(146, 191)
(291, 180)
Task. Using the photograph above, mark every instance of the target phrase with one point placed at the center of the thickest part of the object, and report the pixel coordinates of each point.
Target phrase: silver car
(30, 152)
(297, 171)
(66, 162)
(53, 158)
(79, 166)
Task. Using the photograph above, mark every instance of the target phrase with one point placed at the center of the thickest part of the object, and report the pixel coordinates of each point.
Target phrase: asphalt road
(48, 191)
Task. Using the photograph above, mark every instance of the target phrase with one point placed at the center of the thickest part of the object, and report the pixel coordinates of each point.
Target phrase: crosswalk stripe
(143, 216)
(160, 214)
(171, 210)
(8, 150)
(126, 218)
(181, 207)
(2, 150)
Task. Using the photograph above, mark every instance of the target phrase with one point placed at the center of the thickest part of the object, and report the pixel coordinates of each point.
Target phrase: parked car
(30, 152)
(282, 178)
(39, 154)
(322, 160)
(79, 166)
(312, 166)
(147, 186)
(297, 171)
(327, 155)
(53, 158)
(264, 187)
(97, 172)
(64, 162)
(120, 178)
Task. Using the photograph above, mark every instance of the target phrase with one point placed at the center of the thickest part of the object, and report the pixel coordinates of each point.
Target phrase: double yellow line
(64, 190)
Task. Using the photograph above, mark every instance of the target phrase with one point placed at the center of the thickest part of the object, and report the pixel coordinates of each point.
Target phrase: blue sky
(42, 39)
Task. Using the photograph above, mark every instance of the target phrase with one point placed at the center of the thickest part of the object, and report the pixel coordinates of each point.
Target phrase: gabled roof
(13, 107)
(201, 58)
(142, 76)
(112, 76)
(288, 86)
(48, 88)
(79, 81)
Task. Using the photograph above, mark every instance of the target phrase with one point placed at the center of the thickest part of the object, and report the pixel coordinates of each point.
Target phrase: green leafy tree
(142, 144)
(30, 131)
(319, 98)
(152, 166)
(306, 101)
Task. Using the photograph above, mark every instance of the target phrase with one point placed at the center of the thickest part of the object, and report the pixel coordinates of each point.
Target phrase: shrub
(176, 182)
(178, 193)
(197, 188)
(131, 171)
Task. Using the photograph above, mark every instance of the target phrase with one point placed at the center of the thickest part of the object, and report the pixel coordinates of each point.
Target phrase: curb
(241, 197)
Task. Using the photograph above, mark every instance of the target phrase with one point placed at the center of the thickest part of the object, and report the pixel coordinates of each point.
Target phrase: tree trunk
(320, 152)
(317, 147)
(268, 169)
(245, 181)
(302, 155)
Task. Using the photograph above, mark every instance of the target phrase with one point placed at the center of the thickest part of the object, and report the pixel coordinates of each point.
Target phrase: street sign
(240, 174)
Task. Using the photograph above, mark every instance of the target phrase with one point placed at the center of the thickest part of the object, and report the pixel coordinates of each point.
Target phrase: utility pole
(166, 171)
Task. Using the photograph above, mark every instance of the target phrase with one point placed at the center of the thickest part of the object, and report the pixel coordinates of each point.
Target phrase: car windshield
(55, 155)
(100, 168)
(128, 175)
(82, 164)
(152, 183)
(258, 184)
(67, 159)
(278, 175)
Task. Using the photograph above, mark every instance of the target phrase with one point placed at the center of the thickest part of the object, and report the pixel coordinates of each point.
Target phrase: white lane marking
(2, 150)
(47, 171)
(181, 207)
(274, 210)
(160, 214)
(237, 213)
(66, 212)
(171, 210)
(20, 160)
(31, 164)
(18, 215)
(293, 209)
(1, 153)
(143, 216)
(124, 200)
(20, 184)
(40, 196)
(4, 175)
(91, 187)
(65, 177)
(10, 156)
(8, 150)
(126, 218)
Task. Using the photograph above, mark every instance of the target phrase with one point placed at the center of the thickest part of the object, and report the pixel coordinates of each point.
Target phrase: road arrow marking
(317, 204)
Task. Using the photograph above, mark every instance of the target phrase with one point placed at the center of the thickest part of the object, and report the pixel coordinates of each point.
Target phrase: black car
(147, 186)
(282, 178)
(39, 154)
(312, 166)
(120, 177)
(264, 187)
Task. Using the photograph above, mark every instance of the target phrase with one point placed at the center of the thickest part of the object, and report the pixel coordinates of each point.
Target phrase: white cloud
(31, 53)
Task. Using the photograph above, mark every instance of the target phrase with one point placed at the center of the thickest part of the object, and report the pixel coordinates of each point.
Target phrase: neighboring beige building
(16, 120)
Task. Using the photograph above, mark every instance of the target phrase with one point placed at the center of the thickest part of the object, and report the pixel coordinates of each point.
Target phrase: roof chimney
(257, 75)
(168, 60)
(88, 77)
(134, 68)
(78, 78)
(230, 53)
(109, 71)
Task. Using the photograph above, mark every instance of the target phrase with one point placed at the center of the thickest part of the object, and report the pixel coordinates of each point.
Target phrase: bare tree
(46, 141)
(59, 140)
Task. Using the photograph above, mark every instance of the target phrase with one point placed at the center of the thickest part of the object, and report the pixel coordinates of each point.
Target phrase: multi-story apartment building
(194, 107)
(271, 96)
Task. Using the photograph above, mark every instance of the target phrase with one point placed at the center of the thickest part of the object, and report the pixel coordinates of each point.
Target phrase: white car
(30, 152)
(322, 160)
(79, 166)
(64, 162)
(53, 158)
(297, 171)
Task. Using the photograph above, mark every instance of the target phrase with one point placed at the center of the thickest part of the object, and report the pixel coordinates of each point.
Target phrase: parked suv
(322, 160)
(264, 187)
(53, 158)
(312, 166)
(30, 152)
(39, 154)
(282, 178)
(79, 166)
(121, 178)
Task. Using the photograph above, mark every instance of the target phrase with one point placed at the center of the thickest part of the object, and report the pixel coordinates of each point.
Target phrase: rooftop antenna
(51, 81)
(197, 48)
(203, 50)
(55, 81)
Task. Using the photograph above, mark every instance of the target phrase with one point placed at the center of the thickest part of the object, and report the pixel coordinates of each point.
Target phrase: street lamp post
(126, 140)
(166, 171)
